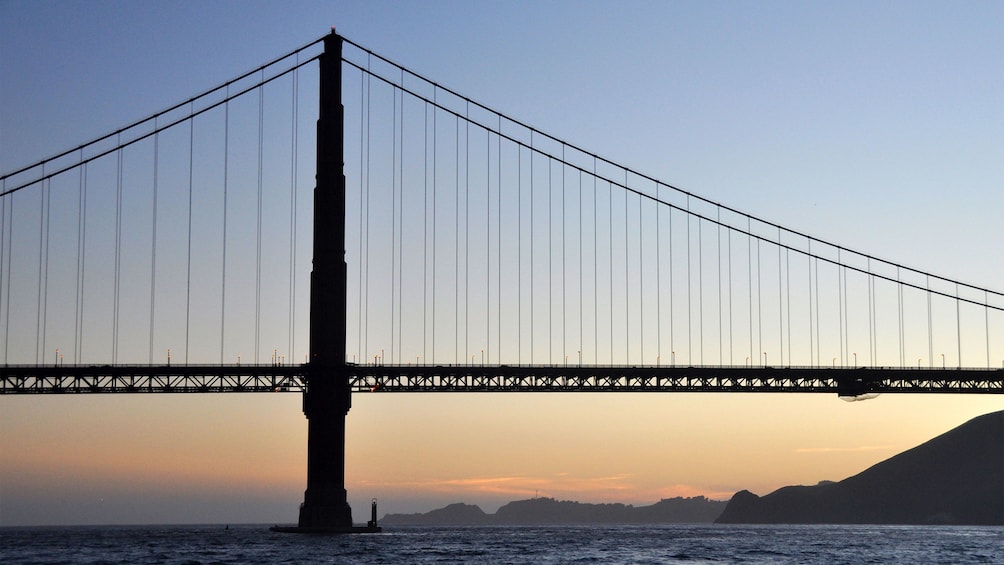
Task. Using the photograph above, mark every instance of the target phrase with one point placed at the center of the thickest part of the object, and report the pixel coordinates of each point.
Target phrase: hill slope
(955, 478)
(551, 511)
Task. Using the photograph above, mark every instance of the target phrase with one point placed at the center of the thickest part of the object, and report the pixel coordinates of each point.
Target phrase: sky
(878, 127)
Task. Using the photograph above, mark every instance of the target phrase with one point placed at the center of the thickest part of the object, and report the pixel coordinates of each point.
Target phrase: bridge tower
(327, 396)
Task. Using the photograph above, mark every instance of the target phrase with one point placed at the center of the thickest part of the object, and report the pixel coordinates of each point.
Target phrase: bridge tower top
(328, 278)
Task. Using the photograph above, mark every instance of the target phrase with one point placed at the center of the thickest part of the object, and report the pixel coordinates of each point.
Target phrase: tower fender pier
(325, 502)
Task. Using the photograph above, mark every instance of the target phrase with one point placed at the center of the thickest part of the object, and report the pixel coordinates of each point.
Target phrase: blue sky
(862, 111)
(878, 127)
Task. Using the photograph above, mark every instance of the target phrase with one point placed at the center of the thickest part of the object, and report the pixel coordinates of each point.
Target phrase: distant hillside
(458, 514)
(955, 478)
(539, 511)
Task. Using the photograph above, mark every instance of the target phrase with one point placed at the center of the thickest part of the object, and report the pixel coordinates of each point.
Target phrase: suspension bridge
(446, 247)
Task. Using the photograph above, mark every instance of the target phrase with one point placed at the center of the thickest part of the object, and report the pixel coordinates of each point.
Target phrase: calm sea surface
(540, 544)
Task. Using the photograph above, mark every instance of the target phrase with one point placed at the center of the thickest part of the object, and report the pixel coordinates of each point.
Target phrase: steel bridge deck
(846, 381)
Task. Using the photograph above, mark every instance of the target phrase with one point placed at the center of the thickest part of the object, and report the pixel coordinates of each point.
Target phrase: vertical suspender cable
(595, 268)
(45, 290)
(486, 344)
(226, 175)
(958, 322)
(811, 325)
(780, 299)
(467, 231)
(873, 325)
(718, 242)
(641, 281)
(393, 220)
(847, 320)
(564, 273)
(41, 261)
(118, 256)
(627, 285)
(400, 234)
(550, 266)
(364, 256)
(690, 300)
(188, 268)
(358, 356)
(787, 287)
(749, 253)
(3, 256)
(818, 350)
(759, 301)
(841, 314)
(498, 238)
(840, 305)
(986, 321)
(658, 280)
(456, 242)
(731, 330)
(581, 291)
(871, 314)
(294, 130)
(153, 242)
(519, 253)
(875, 356)
(700, 286)
(902, 345)
(10, 249)
(425, 236)
(610, 261)
(672, 320)
(930, 329)
(257, 279)
(488, 244)
(435, 171)
(364, 81)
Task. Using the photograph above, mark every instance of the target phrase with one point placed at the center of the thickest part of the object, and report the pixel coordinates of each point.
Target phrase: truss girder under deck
(69, 379)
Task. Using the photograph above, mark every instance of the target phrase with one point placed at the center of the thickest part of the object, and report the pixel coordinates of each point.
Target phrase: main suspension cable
(643, 176)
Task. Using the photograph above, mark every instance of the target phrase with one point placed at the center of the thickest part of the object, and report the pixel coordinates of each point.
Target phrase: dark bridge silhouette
(756, 304)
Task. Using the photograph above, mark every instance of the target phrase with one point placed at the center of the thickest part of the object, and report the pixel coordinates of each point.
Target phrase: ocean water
(702, 543)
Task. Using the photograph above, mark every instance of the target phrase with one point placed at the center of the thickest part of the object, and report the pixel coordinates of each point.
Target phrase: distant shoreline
(540, 511)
